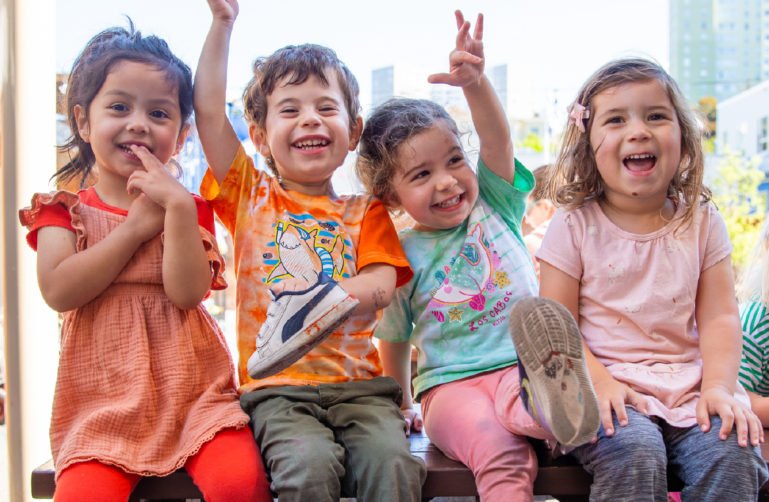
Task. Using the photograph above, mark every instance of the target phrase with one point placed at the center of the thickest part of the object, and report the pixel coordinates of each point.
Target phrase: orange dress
(142, 384)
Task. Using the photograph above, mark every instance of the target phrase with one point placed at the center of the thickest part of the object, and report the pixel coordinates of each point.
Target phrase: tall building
(718, 48)
(397, 81)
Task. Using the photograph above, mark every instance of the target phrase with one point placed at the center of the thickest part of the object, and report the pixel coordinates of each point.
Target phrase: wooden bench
(562, 478)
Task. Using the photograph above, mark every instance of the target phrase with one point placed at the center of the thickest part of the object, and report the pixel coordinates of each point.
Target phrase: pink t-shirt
(637, 297)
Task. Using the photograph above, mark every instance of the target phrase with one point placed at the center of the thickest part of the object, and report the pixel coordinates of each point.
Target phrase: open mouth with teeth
(450, 203)
(311, 144)
(126, 147)
(640, 163)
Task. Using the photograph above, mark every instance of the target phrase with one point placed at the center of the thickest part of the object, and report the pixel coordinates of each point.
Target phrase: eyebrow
(451, 150)
(156, 102)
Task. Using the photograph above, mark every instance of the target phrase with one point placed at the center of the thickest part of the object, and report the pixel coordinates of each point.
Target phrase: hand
(156, 182)
(413, 420)
(224, 10)
(145, 217)
(613, 395)
(290, 284)
(466, 60)
(719, 401)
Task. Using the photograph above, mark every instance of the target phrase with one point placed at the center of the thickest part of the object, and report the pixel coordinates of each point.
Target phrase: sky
(550, 45)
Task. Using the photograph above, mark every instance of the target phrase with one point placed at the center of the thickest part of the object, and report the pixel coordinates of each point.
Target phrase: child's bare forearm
(69, 280)
(186, 271)
(374, 287)
(396, 363)
(496, 146)
(217, 136)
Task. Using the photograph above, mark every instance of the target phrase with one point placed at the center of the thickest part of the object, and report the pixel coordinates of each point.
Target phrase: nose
(137, 124)
(639, 129)
(309, 117)
(446, 181)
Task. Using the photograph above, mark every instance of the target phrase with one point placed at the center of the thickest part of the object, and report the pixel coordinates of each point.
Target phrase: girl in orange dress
(146, 382)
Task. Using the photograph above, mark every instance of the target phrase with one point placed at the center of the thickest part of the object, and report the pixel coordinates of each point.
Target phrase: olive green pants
(322, 442)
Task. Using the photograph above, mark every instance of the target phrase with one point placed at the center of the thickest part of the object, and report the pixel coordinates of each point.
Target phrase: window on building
(763, 134)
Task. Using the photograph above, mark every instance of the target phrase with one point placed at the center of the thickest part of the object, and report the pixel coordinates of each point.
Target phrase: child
(471, 266)
(539, 212)
(641, 259)
(146, 383)
(329, 422)
(753, 294)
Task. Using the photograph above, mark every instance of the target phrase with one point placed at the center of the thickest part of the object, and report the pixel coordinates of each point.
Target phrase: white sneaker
(555, 385)
(296, 322)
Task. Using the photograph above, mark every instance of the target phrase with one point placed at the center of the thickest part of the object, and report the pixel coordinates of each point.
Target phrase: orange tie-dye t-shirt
(278, 234)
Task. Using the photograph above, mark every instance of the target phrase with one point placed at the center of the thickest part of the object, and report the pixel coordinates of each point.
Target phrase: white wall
(30, 327)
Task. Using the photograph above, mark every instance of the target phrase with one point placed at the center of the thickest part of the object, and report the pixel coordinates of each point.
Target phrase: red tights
(226, 469)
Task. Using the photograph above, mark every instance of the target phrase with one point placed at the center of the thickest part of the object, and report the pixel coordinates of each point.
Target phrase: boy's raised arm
(219, 141)
(466, 71)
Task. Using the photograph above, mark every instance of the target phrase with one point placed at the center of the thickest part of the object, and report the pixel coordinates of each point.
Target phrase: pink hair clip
(577, 115)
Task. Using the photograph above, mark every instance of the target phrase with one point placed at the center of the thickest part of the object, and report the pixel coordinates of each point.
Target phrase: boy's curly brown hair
(297, 63)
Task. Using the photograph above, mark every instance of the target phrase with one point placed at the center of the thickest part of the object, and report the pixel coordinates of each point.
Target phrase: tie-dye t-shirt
(454, 309)
(278, 234)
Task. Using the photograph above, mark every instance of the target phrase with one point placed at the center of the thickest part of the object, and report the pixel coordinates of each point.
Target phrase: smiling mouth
(127, 148)
(311, 144)
(450, 202)
(641, 162)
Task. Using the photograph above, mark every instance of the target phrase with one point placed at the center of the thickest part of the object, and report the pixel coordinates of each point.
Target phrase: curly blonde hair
(574, 178)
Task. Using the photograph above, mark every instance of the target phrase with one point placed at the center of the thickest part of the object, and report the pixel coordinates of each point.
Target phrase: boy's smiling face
(307, 132)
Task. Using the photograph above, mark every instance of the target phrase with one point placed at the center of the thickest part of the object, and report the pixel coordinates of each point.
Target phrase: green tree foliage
(532, 142)
(735, 192)
(706, 107)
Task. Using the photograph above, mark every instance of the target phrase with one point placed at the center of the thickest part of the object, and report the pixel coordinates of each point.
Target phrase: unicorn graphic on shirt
(301, 255)
(468, 288)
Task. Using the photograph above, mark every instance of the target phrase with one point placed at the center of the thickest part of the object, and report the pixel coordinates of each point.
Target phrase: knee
(633, 454)
(306, 462)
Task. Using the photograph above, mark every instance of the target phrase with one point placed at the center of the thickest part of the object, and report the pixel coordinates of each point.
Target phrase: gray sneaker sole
(549, 345)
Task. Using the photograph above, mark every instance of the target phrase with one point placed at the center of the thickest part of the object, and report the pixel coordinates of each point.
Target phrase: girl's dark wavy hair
(574, 177)
(89, 72)
(389, 126)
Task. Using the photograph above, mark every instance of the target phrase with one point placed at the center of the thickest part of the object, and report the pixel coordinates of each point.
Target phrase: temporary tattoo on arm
(378, 296)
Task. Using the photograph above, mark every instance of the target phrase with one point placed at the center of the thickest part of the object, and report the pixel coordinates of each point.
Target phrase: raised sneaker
(297, 321)
(555, 385)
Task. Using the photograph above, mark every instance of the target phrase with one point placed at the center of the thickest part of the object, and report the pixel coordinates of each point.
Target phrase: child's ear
(260, 140)
(81, 119)
(182, 138)
(355, 131)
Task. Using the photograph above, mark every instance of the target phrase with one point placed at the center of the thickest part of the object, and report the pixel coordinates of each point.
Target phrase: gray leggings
(632, 464)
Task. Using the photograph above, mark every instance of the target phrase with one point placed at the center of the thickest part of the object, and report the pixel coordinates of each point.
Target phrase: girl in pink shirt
(641, 259)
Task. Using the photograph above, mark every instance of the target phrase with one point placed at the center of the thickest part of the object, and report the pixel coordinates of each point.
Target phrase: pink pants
(481, 422)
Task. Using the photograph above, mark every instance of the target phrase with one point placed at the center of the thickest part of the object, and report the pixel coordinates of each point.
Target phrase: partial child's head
(411, 157)
(112, 57)
(301, 83)
(539, 208)
(753, 283)
(630, 117)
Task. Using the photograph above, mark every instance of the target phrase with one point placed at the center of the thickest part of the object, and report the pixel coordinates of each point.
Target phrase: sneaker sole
(549, 346)
(303, 342)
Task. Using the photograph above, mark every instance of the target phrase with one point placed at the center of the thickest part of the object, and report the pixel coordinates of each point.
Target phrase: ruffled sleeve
(215, 258)
(60, 209)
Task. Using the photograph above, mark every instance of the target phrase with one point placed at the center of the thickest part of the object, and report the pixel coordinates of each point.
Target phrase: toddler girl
(642, 260)
(470, 266)
(146, 382)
